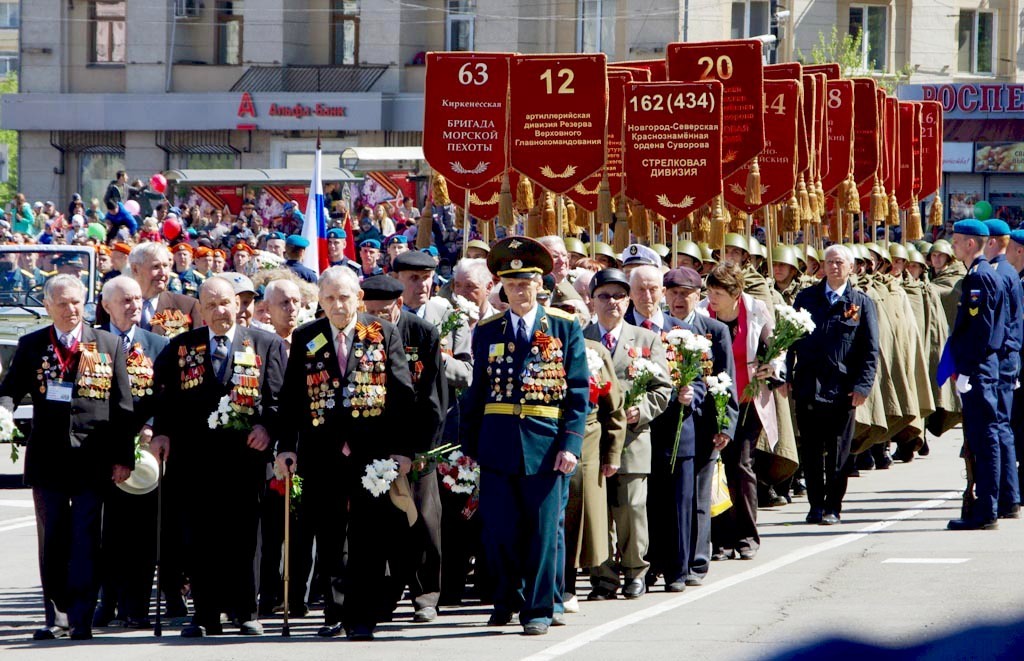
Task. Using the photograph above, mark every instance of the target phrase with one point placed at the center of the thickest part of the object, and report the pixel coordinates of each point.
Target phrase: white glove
(963, 384)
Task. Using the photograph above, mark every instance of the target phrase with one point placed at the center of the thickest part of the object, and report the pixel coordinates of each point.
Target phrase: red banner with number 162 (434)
(465, 116)
(673, 150)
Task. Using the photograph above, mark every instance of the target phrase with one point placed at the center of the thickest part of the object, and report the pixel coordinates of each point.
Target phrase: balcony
(360, 78)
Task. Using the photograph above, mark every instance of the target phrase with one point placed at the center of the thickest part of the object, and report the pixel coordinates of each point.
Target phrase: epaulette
(49, 274)
(27, 274)
(558, 312)
(491, 318)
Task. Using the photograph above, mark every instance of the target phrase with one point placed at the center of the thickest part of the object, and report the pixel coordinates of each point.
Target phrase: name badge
(58, 391)
(315, 344)
(497, 350)
(245, 358)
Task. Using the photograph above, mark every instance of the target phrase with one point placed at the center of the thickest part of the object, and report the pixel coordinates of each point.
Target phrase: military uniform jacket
(980, 327)
(174, 314)
(190, 391)
(551, 372)
(321, 404)
(841, 356)
(423, 353)
(77, 442)
(636, 343)
(1014, 301)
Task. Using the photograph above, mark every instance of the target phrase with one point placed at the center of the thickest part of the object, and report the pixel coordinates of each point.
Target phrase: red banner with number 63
(673, 148)
(558, 108)
(465, 116)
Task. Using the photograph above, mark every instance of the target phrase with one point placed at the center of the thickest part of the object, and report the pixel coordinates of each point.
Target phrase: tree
(846, 51)
(9, 85)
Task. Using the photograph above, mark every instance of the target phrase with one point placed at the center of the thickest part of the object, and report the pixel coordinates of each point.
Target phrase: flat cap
(683, 276)
(381, 288)
(413, 260)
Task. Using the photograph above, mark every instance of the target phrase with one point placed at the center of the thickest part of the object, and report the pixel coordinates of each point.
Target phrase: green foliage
(9, 85)
(846, 50)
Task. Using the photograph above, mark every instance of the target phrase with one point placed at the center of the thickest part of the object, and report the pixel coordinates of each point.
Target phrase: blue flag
(946, 367)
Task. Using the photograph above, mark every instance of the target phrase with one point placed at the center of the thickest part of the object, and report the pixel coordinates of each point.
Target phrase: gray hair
(838, 249)
(642, 270)
(337, 275)
(60, 282)
(581, 281)
(118, 283)
(474, 269)
(147, 251)
(279, 286)
(552, 241)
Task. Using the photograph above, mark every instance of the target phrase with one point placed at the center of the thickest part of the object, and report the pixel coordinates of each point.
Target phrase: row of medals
(321, 393)
(95, 383)
(366, 389)
(543, 378)
(142, 379)
(246, 380)
(415, 366)
(193, 360)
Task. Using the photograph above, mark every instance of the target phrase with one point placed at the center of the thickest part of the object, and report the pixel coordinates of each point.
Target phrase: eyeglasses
(617, 297)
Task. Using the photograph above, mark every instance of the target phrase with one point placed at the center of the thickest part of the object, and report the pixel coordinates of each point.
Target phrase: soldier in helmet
(689, 255)
(737, 250)
(604, 254)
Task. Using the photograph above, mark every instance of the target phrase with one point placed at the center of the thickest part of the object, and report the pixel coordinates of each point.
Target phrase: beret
(997, 227)
(970, 227)
(381, 288)
(396, 238)
(297, 241)
(336, 233)
(413, 261)
(370, 243)
(1017, 236)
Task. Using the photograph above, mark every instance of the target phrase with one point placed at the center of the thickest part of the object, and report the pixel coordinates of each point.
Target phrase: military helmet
(661, 249)
(690, 249)
(757, 249)
(572, 244)
(916, 257)
(943, 247)
(602, 248)
(897, 251)
(708, 254)
(785, 255)
(812, 253)
(734, 240)
(871, 246)
(800, 258)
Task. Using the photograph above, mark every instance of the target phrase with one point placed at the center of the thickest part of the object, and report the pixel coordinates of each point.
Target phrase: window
(596, 28)
(345, 32)
(872, 23)
(8, 62)
(97, 171)
(108, 42)
(976, 42)
(9, 15)
(459, 32)
(750, 19)
(229, 32)
(205, 161)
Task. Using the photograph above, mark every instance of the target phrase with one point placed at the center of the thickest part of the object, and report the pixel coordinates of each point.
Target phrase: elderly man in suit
(82, 428)
(832, 372)
(609, 291)
(682, 292)
(129, 520)
(347, 398)
(564, 290)
(202, 372)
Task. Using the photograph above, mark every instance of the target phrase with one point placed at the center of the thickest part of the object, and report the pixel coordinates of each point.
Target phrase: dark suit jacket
(166, 301)
(72, 443)
(841, 356)
(423, 352)
(182, 414)
(705, 416)
(151, 345)
(319, 446)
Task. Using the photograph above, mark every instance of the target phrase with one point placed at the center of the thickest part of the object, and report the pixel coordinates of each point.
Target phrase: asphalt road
(890, 574)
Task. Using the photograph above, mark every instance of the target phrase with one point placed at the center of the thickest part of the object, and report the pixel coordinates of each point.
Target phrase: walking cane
(285, 629)
(157, 626)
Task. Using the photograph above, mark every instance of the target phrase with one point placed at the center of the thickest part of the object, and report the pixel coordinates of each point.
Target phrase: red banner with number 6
(557, 114)
(673, 150)
(465, 116)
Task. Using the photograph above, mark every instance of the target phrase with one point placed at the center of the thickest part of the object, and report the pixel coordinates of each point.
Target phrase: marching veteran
(523, 420)
(347, 398)
(82, 430)
(219, 410)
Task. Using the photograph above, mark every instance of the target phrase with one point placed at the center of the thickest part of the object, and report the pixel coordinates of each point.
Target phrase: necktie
(521, 337)
(147, 315)
(646, 323)
(832, 298)
(342, 352)
(609, 342)
(66, 339)
(125, 343)
(220, 355)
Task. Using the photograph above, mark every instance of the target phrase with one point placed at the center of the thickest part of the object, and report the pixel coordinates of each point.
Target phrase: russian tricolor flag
(314, 229)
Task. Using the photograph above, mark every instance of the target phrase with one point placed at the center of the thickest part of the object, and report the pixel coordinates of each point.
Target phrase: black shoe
(799, 488)
(883, 462)
(814, 516)
(50, 633)
(651, 579)
(359, 632)
(103, 616)
(558, 619)
(251, 628)
(197, 631)
(425, 614)
(601, 594)
(904, 452)
(968, 524)
(499, 619)
(138, 623)
(330, 630)
(634, 589)
(535, 629)
(854, 472)
(81, 633)
(1012, 513)
(747, 554)
(924, 450)
(865, 461)
(677, 585)
(830, 519)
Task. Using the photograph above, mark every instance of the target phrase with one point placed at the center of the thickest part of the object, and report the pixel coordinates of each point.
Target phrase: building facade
(150, 85)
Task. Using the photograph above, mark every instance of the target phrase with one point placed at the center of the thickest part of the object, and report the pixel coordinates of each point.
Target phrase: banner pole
(467, 223)
(675, 239)
(593, 235)
(559, 206)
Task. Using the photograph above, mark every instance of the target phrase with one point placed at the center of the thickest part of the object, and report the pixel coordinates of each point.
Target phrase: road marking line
(16, 503)
(924, 561)
(600, 631)
(19, 522)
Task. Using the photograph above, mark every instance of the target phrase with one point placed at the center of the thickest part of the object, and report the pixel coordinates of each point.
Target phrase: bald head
(218, 305)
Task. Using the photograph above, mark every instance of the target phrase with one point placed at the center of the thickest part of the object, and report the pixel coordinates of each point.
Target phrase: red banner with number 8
(465, 116)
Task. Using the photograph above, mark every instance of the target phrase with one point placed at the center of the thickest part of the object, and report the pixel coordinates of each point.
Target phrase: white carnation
(594, 362)
(677, 335)
(454, 456)
(643, 365)
(449, 481)
(212, 420)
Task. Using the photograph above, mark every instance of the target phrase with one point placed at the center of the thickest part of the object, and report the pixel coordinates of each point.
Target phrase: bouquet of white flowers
(718, 387)
(790, 326)
(689, 350)
(380, 473)
(230, 415)
(9, 432)
(643, 371)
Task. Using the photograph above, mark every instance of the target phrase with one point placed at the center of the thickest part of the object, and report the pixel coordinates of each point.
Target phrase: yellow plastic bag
(720, 500)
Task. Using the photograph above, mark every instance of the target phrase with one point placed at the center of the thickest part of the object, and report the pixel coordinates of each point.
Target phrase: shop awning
(257, 176)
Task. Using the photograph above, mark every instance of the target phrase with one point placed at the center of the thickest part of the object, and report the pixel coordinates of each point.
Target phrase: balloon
(982, 210)
(158, 182)
(97, 232)
(172, 229)
(133, 207)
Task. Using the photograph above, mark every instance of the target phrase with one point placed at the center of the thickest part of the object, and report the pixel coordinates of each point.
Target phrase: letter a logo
(246, 107)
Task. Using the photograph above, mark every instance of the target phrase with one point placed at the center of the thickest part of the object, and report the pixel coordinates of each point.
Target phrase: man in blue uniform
(336, 242)
(523, 419)
(977, 337)
(1015, 255)
(1009, 363)
(294, 247)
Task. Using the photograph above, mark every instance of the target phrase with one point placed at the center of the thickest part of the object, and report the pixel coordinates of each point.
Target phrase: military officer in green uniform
(523, 420)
